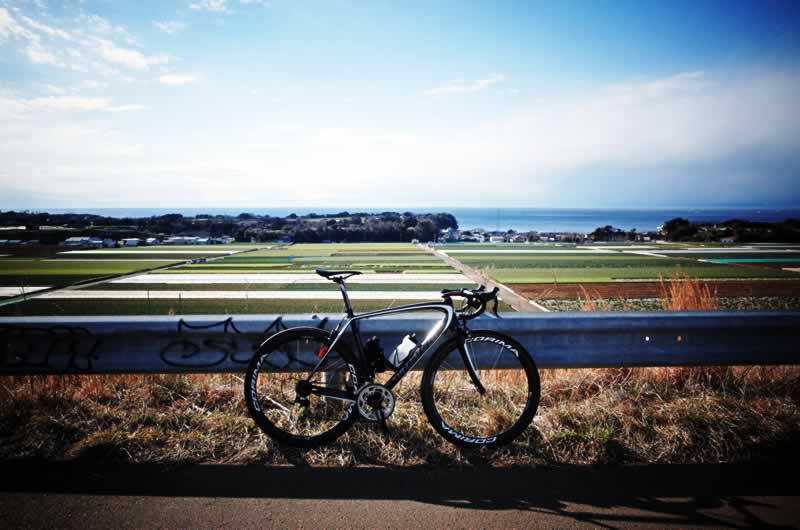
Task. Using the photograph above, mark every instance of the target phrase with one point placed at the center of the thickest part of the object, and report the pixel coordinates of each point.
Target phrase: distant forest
(734, 230)
(738, 230)
(313, 228)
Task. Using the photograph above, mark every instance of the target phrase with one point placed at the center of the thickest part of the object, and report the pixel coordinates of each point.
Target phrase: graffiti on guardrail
(52, 349)
(190, 351)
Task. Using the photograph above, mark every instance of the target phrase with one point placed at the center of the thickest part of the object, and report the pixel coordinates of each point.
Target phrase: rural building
(181, 240)
(152, 241)
(729, 239)
(77, 242)
(497, 239)
(449, 234)
(130, 242)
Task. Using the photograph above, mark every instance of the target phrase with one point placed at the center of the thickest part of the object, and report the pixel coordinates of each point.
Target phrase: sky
(256, 103)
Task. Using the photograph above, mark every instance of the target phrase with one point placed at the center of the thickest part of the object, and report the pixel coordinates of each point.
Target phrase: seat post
(348, 308)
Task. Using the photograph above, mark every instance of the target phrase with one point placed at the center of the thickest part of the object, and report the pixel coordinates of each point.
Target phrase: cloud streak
(90, 45)
(177, 79)
(170, 27)
(213, 6)
(456, 87)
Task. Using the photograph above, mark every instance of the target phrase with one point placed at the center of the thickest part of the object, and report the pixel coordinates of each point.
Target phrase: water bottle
(408, 345)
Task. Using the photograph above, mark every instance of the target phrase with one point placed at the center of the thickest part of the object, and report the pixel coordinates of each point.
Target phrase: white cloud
(47, 30)
(125, 108)
(127, 57)
(21, 108)
(176, 79)
(214, 6)
(52, 89)
(88, 45)
(705, 135)
(67, 103)
(263, 3)
(94, 84)
(10, 28)
(38, 54)
(170, 27)
(460, 86)
(102, 26)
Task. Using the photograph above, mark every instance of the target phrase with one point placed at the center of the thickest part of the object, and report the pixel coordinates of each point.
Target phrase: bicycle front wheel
(276, 399)
(459, 411)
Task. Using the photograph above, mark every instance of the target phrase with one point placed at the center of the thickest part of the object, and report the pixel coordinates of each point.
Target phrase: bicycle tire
(251, 391)
(452, 433)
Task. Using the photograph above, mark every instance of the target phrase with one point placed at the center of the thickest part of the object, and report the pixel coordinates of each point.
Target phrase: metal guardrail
(208, 344)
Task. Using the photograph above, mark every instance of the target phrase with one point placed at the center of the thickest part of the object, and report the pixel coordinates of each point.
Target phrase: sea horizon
(520, 219)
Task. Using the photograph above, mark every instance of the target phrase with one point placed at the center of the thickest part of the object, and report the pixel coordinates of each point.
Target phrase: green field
(328, 286)
(57, 266)
(588, 268)
(235, 247)
(194, 307)
(368, 258)
(16, 272)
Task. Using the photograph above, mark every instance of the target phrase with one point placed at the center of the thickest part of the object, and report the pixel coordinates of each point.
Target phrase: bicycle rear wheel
(456, 408)
(272, 397)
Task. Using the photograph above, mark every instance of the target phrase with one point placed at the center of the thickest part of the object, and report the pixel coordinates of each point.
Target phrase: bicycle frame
(449, 323)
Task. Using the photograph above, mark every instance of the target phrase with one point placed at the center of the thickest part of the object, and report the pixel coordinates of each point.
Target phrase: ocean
(581, 220)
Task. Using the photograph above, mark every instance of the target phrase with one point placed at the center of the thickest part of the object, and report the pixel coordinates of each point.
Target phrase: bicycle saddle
(336, 276)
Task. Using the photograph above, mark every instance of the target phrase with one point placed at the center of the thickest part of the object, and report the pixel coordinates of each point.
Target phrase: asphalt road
(83, 495)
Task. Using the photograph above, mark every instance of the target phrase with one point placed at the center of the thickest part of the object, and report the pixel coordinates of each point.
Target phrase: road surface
(82, 495)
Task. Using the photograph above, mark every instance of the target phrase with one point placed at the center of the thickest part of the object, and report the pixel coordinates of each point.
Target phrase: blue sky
(272, 103)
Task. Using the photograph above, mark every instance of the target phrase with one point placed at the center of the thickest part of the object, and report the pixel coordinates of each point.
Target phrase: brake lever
(494, 308)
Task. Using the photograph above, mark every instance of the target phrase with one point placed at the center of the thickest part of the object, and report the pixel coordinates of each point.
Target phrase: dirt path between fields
(507, 295)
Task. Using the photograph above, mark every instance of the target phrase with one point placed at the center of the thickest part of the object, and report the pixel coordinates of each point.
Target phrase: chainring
(372, 398)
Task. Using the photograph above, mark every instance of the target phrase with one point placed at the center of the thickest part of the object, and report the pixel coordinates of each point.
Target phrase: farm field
(627, 277)
(366, 257)
(638, 290)
(280, 279)
(55, 266)
(515, 264)
(59, 273)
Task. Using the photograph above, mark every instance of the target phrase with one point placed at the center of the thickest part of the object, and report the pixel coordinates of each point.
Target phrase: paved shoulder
(76, 495)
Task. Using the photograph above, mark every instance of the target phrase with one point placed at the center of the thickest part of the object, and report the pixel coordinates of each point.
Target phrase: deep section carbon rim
(281, 404)
(460, 412)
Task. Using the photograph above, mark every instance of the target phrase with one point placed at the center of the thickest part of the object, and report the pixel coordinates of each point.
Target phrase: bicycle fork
(469, 364)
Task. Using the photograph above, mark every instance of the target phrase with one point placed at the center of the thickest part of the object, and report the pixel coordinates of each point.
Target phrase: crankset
(375, 404)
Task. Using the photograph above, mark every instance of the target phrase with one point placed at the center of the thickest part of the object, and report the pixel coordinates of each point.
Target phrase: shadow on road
(673, 494)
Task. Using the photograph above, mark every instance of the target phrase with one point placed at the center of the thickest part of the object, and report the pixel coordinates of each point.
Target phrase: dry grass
(679, 293)
(586, 416)
(718, 414)
(682, 293)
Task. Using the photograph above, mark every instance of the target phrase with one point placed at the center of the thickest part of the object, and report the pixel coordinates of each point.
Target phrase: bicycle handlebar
(476, 299)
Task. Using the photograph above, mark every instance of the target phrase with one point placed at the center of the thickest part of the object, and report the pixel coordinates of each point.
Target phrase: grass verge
(586, 416)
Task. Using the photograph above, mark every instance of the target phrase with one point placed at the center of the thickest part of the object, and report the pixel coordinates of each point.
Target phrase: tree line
(312, 228)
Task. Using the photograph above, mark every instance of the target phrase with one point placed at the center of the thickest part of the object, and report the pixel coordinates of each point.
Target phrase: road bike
(479, 387)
